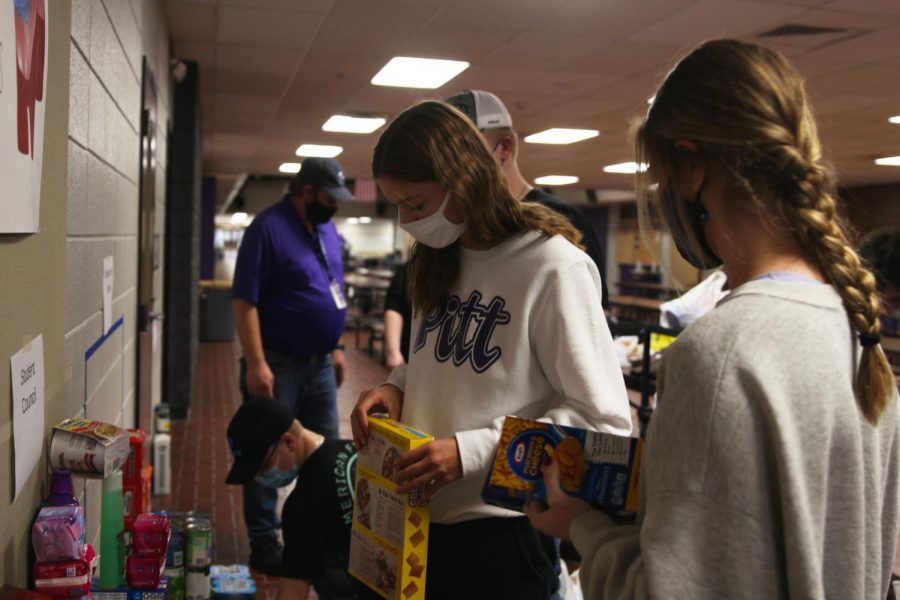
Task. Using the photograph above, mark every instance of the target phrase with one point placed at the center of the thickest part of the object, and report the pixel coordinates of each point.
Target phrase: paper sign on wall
(27, 367)
(23, 97)
(107, 293)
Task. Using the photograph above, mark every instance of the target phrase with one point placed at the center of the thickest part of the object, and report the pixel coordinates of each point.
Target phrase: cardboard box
(88, 447)
(126, 593)
(137, 457)
(136, 497)
(389, 536)
(600, 468)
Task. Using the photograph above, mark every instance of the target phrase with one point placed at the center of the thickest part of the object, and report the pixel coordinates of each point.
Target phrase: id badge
(338, 295)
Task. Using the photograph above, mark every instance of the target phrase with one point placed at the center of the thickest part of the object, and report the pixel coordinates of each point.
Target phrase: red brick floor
(200, 456)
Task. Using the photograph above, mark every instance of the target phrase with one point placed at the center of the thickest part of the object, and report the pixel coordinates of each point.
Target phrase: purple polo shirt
(280, 271)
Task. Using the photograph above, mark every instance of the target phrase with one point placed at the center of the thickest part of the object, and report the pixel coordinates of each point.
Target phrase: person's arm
(260, 381)
(293, 589)
(393, 328)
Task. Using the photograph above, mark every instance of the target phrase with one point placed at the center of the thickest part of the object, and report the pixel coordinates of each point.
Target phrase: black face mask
(697, 214)
(318, 213)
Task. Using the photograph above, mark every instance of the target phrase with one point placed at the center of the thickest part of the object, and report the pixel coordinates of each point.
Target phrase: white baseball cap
(483, 108)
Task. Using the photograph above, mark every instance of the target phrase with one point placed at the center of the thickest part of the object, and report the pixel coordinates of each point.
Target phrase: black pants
(489, 559)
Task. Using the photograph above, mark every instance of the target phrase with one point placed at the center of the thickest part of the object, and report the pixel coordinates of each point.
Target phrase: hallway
(200, 455)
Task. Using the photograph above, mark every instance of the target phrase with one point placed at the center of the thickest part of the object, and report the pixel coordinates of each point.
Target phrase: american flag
(365, 190)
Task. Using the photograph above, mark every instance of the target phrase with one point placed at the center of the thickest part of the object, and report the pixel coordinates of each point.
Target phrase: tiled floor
(200, 456)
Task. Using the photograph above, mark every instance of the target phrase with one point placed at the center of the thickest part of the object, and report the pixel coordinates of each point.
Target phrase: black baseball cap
(254, 429)
(325, 173)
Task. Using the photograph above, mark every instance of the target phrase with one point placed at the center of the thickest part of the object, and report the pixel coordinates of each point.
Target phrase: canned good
(176, 583)
(196, 584)
(198, 544)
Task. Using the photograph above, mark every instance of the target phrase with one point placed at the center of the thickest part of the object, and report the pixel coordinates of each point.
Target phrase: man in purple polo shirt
(289, 311)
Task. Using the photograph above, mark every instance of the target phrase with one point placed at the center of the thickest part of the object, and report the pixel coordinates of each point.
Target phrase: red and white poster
(23, 98)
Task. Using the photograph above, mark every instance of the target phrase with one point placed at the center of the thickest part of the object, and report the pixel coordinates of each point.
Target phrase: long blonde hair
(747, 110)
(432, 141)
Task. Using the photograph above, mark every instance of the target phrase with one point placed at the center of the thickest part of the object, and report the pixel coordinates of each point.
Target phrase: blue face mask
(276, 478)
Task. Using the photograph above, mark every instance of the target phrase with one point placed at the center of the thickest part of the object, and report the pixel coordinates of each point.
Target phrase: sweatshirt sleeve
(574, 348)
(398, 377)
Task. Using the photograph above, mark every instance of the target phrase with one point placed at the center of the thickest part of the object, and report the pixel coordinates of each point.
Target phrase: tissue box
(151, 535)
(88, 447)
(58, 534)
(144, 572)
(600, 468)
(389, 535)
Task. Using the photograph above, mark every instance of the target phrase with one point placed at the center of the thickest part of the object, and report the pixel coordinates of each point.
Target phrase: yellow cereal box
(389, 536)
(600, 468)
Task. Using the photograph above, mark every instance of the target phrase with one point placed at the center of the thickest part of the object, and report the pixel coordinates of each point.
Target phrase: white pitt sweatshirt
(524, 334)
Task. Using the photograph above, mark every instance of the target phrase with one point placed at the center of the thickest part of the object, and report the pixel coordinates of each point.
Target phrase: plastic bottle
(112, 523)
(61, 491)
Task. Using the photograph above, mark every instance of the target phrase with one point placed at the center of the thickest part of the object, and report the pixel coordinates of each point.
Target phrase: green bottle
(112, 525)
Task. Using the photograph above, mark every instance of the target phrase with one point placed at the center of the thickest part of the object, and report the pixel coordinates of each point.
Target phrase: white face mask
(435, 230)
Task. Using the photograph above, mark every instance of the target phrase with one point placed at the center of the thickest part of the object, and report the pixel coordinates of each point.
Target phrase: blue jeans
(309, 389)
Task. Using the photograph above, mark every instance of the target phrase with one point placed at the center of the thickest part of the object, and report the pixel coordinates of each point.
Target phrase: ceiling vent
(808, 37)
(794, 29)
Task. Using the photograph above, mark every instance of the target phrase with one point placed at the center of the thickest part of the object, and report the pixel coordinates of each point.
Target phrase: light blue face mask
(276, 478)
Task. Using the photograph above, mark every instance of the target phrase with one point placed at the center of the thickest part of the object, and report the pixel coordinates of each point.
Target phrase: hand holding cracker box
(389, 535)
(600, 468)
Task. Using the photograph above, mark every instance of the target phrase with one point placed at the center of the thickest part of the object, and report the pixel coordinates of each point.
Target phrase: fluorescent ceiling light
(365, 220)
(556, 180)
(895, 120)
(352, 221)
(651, 99)
(317, 150)
(238, 218)
(561, 136)
(625, 167)
(422, 73)
(289, 167)
(888, 161)
(346, 124)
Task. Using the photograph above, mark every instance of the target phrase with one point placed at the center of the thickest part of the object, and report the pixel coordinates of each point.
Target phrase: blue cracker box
(126, 593)
(600, 468)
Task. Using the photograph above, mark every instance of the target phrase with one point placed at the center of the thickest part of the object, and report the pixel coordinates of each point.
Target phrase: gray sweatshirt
(761, 478)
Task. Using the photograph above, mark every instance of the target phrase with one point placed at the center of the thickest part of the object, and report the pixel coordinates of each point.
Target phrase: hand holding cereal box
(600, 468)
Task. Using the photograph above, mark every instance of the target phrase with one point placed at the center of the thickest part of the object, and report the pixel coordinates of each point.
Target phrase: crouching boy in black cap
(272, 447)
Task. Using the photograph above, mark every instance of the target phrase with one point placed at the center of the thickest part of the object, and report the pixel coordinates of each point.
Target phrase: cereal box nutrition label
(389, 538)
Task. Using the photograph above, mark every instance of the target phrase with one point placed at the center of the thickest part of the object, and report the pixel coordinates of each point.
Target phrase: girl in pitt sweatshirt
(507, 320)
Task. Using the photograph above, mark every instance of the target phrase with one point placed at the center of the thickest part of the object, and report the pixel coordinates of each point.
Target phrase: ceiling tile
(266, 28)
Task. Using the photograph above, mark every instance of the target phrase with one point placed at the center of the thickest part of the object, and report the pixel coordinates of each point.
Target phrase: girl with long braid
(771, 465)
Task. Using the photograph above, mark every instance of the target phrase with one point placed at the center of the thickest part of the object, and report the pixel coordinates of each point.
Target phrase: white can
(196, 584)
(162, 467)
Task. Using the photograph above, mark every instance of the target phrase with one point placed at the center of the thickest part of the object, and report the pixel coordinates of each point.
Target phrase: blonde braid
(822, 232)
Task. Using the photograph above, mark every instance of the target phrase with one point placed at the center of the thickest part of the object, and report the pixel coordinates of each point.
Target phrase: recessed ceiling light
(365, 220)
(561, 136)
(238, 218)
(353, 221)
(895, 120)
(422, 73)
(320, 151)
(289, 167)
(346, 124)
(625, 167)
(556, 180)
(888, 161)
(651, 99)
